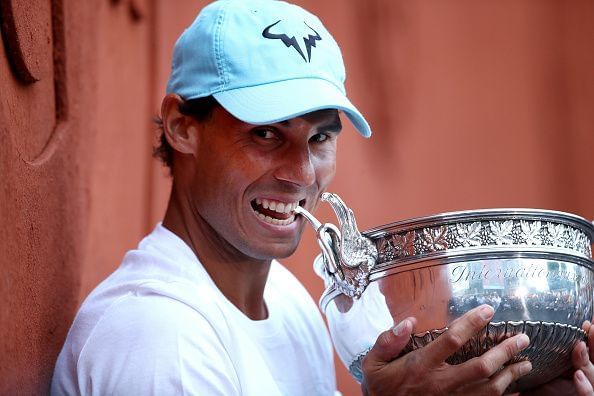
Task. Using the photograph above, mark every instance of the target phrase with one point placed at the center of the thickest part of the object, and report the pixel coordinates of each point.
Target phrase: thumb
(390, 343)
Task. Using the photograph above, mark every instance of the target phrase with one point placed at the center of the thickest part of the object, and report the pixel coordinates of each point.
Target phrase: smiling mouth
(275, 212)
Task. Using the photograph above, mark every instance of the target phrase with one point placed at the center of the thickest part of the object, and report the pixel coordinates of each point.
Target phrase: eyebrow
(333, 126)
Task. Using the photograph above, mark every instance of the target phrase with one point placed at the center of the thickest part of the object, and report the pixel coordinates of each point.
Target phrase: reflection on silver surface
(546, 299)
(533, 266)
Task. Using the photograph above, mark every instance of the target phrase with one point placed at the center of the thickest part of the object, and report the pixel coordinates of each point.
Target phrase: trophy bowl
(534, 267)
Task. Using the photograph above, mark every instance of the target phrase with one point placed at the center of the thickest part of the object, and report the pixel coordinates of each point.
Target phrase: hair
(200, 109)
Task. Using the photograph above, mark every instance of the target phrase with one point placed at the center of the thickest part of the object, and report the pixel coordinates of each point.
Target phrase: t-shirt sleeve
(154, 345)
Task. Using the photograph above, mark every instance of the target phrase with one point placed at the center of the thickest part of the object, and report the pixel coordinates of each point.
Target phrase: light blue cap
(264, 61)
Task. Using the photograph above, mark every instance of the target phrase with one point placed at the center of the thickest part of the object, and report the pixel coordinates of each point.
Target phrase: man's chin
(276, 251)
(287, 253)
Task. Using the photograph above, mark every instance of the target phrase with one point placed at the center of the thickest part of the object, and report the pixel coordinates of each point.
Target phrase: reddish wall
(46, 99)
(473, 104)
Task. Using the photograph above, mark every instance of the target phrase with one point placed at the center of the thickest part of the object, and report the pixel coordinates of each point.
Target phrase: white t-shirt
(159, 326)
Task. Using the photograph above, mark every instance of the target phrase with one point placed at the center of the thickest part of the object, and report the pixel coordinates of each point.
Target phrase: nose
(297, 167)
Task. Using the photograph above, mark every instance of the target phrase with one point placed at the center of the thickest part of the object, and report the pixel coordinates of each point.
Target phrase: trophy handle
(349, 256)
(328, 237)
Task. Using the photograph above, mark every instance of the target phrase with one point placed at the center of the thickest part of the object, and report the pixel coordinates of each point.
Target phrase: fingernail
(522, 341)
(580, 376)
(401, 327)
(487, 312)
(525, 368)
(585, 357)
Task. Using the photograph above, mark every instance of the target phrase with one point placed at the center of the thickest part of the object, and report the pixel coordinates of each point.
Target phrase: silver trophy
(534, 267)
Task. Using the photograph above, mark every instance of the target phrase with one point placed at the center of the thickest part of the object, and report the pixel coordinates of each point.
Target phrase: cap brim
(283, 100)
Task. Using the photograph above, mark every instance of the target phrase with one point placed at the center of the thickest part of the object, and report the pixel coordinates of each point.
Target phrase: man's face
(248, 179)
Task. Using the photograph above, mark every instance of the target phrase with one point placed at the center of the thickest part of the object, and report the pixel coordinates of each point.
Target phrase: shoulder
(137, 317)
(153, 344)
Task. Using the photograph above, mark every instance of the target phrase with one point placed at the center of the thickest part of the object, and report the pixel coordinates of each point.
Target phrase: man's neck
(240, 278)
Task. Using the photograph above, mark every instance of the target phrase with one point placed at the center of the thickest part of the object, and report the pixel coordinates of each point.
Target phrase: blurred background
(474, 104)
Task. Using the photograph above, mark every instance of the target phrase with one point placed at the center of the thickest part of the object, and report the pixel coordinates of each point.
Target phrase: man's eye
(264, 133)
(318, 138)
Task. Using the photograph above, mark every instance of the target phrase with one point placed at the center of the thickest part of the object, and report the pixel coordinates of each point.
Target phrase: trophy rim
(484, 214)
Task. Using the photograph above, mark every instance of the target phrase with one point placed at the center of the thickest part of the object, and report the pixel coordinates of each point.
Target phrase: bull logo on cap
(309, 41)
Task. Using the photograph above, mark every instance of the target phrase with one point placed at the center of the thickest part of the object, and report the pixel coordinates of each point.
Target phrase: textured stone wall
(44, 99)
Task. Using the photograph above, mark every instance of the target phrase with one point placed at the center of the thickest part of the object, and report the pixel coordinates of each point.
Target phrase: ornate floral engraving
(573, 239)
(557, 234)
(434, 239)
(462, 235)
(581, 243)
(531, 232)
(386, 249)
(353, 281)
(469, 234)
(404, 244)
(501, 232)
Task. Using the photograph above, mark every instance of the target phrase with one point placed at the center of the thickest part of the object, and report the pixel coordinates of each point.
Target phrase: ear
(180, 130)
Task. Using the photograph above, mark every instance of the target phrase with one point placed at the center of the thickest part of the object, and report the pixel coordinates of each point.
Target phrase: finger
(586, 326)
(491, 361)
(583, 387)
(460, 331)
(502, 380)
(390, 343)
(581, 361)
(590, 334)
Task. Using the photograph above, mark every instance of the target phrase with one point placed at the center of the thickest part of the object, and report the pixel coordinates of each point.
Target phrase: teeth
(274, 221)
(279, 207)
(271, 220)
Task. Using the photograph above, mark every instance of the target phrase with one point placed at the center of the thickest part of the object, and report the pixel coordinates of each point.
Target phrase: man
(250, 125)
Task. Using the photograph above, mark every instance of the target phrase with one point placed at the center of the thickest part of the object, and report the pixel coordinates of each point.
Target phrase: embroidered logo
(309, 41)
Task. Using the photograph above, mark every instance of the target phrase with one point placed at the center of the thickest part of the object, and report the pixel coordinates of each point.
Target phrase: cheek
(325, 170)
(248, 167)
(235, 174)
